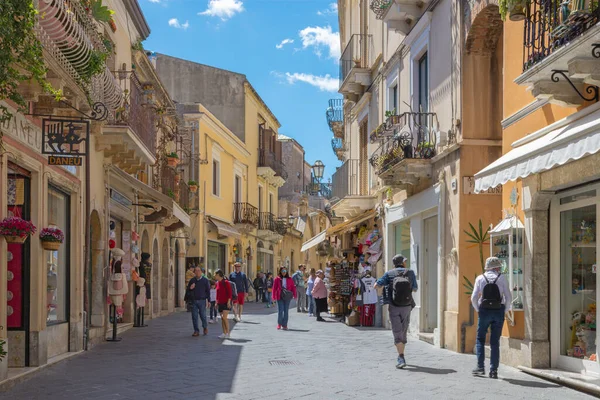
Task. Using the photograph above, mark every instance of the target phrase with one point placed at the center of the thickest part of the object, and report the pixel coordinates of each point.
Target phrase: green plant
(192, 183)
(99, 12)
(390, 113)
(172, 155)
(478, 238)
(389, 193)
(21, 57)
(171, 194)
(138, 46)
(3, 352)
(95, 65)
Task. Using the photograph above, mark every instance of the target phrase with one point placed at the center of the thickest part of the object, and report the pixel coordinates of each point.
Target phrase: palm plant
(477, 238)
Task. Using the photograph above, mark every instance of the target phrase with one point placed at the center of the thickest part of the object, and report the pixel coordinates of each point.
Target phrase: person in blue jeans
(491, 298)
(200, 289)
(310, 285)
(284, 291)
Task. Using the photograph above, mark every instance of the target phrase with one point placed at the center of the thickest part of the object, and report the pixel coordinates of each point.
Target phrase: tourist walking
(284, 291)
(319, 293)
(199, 288)
(224, 299)
(310, 284)
(269, 289)
(239, 279)
(213, 302)
(401, 283)
(298, 278)
(491, 298)
(258, 288)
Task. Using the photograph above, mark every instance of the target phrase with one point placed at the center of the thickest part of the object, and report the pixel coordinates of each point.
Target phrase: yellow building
(548, 173)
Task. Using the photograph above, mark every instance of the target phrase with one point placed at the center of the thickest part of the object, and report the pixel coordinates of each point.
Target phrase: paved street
(318, 361)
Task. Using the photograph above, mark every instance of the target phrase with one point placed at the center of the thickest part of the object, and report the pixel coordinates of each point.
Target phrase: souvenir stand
(338, 274)
(506, 243)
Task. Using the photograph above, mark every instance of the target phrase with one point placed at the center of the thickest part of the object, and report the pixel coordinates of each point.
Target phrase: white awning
(224, 229)
(567, 140)
(314, 241)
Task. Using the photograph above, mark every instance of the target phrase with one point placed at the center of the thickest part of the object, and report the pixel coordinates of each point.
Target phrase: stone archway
(155, 279)
(164, 279)
(98, 296)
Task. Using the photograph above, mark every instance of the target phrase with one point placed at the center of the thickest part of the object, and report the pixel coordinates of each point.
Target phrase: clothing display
(370, 293)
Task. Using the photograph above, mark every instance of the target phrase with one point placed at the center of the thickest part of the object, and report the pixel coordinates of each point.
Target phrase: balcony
(399, 15)
(245, 216)
(70, 40)
(131, 129)
(271, 168)
(406, 149)
(173, 186)
(355, 63)
(335, 117)
(268, 227)
(347, 195)
(339, 148)
(561, 51)
(319, 189)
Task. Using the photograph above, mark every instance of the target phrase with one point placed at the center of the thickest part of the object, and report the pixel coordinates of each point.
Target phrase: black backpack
(401, 290)
(491, 298)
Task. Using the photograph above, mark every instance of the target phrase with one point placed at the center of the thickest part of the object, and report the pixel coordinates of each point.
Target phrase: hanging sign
(469, 187)
(65, 140)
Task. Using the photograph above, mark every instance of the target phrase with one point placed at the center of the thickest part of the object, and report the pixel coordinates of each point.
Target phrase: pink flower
(52, 235)
(15, 226)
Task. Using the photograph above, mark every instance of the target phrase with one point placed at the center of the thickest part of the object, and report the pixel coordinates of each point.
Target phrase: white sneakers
(236, 319)
(211, 321)
(224, 336)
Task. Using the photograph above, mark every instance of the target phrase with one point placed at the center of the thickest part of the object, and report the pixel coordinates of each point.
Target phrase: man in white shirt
(491, 298)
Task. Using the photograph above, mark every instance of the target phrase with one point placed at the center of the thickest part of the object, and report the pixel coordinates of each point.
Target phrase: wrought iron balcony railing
(345, 180)
(413, 137)
(266, 221)
(269, 159)
(335, 115)
(136, 110)
(379, 7)
(355, 55)
(338, 146)
(317, 188)
(173, 186)
(551, 24)
(245, 213)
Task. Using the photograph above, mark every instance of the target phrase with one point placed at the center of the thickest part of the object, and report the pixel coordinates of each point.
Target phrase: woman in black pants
(319, 293)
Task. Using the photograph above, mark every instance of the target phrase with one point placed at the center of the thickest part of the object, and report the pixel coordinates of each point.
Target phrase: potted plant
(171, 194)
(426, 149)
(16, 230)
(193, 186)
(172, 159)
(51, 238)
(516, 9)
(392, 118)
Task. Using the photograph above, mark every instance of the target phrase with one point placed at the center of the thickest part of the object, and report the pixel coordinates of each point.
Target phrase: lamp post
(317, 170)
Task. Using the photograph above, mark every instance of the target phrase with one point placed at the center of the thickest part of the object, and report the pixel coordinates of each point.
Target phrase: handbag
(286, 295)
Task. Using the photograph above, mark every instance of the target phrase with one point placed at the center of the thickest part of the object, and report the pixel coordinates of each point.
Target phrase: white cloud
(174, 22)
(333, 9)
(223, 9)
(324, 83)
(319, 37)
(284, 42)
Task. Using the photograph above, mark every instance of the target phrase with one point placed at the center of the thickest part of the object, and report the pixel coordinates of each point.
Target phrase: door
(363, 159)
(430, 285)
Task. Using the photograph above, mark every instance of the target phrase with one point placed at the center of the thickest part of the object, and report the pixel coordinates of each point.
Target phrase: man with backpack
(298, 278)
(400, 283)
(240, 281)
(491, 298)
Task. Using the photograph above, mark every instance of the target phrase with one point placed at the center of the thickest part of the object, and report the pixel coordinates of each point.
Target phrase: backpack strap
(497, 277)
(486, 279)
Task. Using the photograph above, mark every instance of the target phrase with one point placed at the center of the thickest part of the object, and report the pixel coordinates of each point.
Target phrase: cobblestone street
(316, 361)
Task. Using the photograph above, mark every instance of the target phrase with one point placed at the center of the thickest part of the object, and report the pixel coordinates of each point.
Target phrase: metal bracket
(592, 90)
(596, 50)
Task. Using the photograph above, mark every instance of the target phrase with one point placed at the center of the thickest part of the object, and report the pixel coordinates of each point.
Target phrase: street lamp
(318, 169)
(291, 220)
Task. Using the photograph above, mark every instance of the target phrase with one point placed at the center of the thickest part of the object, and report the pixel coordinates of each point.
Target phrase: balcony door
(237, 190)
(363, 158)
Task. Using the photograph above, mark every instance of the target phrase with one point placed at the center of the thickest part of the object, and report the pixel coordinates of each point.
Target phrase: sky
(288, 49)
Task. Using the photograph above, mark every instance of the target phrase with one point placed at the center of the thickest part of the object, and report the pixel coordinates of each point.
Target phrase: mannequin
(146, 273)
(140, 303)
(117, 286)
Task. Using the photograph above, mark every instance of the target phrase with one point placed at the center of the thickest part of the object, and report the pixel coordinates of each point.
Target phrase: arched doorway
(155, 279)
(164, 281)
(96, 286)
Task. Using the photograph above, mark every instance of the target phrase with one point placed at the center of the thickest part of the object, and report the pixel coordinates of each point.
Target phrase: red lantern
(111, 244)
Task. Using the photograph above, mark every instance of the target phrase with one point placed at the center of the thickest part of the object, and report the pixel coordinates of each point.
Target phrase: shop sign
(65, 137)
(65, 161)
(469, 187)
(22, 129)
(119, 198)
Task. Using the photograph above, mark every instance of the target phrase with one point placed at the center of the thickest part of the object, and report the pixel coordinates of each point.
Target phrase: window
(237, 195)
(393, 98)
(423, 94)
(271, 203)
(260, 199)
(57, 261)
(216, 178)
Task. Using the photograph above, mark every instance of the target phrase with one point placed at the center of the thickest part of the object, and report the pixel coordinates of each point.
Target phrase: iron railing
(281, 226)
(355, 55)
(380, 7)
(345, 180)
(413, 136)
(137, 110)
(319, 188)
(269, 159)
(551, 24)
(173, 186)
(266, 221)
(245, 213)
(335, 116)
(338, 146)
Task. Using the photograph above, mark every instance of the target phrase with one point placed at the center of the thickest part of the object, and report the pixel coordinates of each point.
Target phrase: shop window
(402, 245)
(578, 262)
(57, 261)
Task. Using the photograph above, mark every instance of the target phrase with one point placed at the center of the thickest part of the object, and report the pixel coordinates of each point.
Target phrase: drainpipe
(205, 229)
(442, 284)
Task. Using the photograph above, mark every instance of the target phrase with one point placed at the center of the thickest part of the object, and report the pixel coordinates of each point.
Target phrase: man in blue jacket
(199, 287)
(241, 284)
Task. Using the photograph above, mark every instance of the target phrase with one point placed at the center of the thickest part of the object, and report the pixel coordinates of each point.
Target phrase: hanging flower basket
(51, 238)
(172, 159)
(193, 186)
(16, 230)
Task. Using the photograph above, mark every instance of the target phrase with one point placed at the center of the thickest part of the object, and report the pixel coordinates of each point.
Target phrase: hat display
(134, 236)
(112, 244)
(117, 252)
(135, 262)
(135, 249)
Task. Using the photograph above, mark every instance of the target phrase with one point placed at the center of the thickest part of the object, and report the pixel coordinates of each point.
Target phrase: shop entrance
(430, 269)
(216, 257)
(574, 279)
(18, 271)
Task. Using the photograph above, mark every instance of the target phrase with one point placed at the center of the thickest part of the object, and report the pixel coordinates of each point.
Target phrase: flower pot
(47, 245)
(15, 239)
(172, 161)
(517, 10)
(193, 188)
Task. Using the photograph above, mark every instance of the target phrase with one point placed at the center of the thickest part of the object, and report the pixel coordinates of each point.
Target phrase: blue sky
(288, 49)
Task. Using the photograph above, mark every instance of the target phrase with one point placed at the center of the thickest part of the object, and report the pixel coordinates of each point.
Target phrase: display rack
(506, 243)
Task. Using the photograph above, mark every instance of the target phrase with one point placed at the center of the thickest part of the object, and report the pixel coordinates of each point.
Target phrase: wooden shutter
(363, 159)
